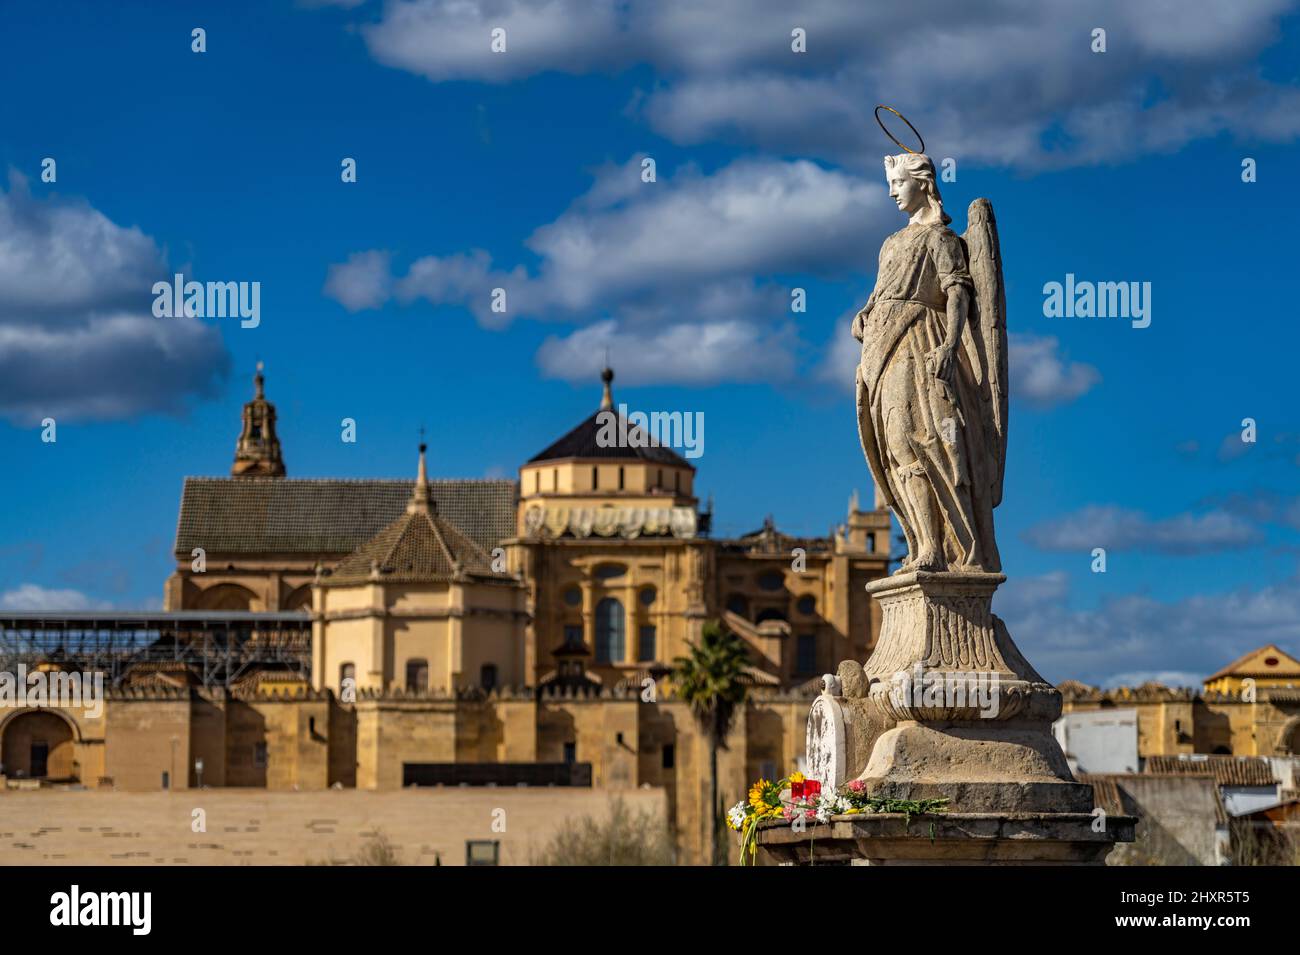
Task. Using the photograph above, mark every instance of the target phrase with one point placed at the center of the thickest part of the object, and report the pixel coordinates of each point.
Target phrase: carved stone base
(951, 839)
(938, 631)
(992, 767)
(971, 719)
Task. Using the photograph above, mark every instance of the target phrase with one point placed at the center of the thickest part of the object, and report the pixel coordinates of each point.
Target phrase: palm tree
(713, 680)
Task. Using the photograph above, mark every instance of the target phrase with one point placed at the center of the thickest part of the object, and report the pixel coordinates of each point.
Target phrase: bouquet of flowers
(797, 797)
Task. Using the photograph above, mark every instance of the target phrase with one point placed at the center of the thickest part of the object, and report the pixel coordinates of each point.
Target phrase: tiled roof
(327, 516)
(417, 547)
(1286, 664)
(1105, 792)
(581, 443)
(1226, 770)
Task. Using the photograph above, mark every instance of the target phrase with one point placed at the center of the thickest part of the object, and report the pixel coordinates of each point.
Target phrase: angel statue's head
(912, 185)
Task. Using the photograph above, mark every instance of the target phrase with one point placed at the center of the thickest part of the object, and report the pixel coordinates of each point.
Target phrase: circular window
(573, 596)
(772, 580)
(648, 596)
(1271, 661)
(807, 605)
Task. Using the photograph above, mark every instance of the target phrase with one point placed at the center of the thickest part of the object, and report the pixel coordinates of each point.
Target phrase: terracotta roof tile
(417, 547)
(1226, 770)
(326, 516)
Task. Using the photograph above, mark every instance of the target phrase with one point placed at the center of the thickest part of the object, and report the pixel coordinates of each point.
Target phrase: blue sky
(522, 170)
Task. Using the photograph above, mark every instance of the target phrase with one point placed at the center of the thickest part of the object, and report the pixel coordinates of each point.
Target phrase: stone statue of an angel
(932, 382)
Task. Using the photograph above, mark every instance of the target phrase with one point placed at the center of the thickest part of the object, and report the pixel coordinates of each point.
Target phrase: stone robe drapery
(904, 320)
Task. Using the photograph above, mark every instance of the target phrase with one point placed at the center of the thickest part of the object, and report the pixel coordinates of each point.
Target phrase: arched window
(417, 675)
(487, 676)
(347, 677)
(738, 604)
(226, 597)
(610, 639)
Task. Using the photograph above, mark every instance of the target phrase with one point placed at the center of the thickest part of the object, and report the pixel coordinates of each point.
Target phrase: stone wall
(306, 740)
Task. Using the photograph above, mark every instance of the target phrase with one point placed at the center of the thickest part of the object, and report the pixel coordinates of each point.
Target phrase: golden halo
(891, 135)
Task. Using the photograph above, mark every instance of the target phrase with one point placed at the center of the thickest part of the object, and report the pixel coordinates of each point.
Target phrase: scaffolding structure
(219, 647)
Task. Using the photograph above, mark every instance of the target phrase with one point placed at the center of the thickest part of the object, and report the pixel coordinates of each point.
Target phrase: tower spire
(607, 399)
(421, 500)
(257, 452)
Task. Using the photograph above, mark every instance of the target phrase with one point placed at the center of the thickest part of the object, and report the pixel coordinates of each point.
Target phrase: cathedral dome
(584, 442)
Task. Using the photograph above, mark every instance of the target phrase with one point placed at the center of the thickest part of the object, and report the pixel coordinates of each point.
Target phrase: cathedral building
(322, 633)
(607, 550)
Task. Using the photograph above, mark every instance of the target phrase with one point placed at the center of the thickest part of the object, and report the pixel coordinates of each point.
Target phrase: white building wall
(1099, 741)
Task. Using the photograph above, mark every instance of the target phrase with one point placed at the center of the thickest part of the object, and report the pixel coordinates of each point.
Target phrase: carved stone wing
(987, 342)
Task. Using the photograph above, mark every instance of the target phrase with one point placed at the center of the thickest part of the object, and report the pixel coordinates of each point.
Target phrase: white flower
(736, 815)
(831, 804)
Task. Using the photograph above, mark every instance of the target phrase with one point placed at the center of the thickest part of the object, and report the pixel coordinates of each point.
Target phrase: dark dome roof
(581, 443)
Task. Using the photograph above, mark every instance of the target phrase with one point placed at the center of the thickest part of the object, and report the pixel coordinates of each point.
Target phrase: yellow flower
(796, 777)
(757, 792)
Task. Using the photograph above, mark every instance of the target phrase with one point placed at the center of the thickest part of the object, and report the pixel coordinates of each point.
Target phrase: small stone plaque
(825, 740)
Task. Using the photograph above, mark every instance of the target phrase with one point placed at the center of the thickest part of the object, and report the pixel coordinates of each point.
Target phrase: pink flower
(788, 813)
(856, 785)
(810, 814)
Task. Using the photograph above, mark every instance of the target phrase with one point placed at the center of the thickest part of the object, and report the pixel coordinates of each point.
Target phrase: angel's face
(907, 193)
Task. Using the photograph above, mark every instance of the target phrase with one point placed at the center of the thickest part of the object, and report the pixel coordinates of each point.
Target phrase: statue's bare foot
(928, 559)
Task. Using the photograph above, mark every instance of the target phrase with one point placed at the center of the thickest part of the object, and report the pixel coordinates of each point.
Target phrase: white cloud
(839, 364)
(60, 258)
(693, 258)
(77, 335)
(1127, 639)
(1041, 377)
(1117, 528)
(699, 353)
(452, 39)
(1012, 83)
(364, 281)
(36, 597)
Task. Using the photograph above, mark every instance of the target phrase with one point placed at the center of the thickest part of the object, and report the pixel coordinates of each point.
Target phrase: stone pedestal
(972, 720)
(956, 839)
(950, 709)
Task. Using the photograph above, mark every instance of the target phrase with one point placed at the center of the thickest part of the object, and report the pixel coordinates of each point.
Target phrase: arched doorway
(1288, 740)
(38, 745)
(298, 599)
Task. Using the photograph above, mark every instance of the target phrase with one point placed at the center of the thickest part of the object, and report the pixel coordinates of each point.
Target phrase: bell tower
(257, 454)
